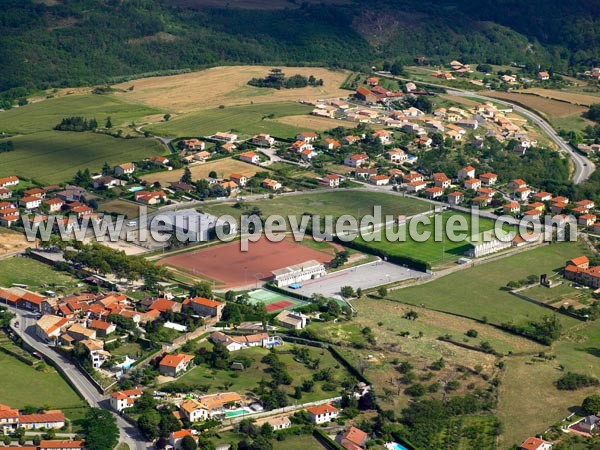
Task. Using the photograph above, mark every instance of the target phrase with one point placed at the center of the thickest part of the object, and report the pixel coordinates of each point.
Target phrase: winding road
(129, 434)
(583, 166)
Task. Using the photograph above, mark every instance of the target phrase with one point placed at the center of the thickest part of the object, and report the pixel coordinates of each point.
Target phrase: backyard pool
(395, 446)
(237, 413)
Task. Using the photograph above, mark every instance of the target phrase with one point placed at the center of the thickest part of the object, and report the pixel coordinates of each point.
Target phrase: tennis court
(274, 301)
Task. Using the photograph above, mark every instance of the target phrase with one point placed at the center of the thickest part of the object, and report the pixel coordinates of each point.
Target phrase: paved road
(583, 166)
(26, 330)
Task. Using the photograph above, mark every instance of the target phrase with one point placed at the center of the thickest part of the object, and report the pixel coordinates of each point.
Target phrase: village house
(384, 136)
(365, 95)
(473, 184)
(150, 197)
(102, 328)
(441, 180)
(434, 192)
(379, 180)
(331, 180)
(176, 438)
(300, 146)
(72, 194)
(352, 439)
(356, 160)
(586, 220)
(466, 173)
(292, 320)
(307, 137)
(108, 182)
(543, 76)
(54, 419)
(322, 413)
(412, 177)
(35, 192)
(587, 204)
(239, 179)
(9, 181)
(521, 193)
(416, 186)
(511, 208)
(124, 169)
(455, 198)
(5, 193)
(365, 172)
(517, 184)
(537, 205)
(308, 154)
(54, 204)
(542, 196)
(173, 365)
(277, 423)
(49, 327)
(30, 202)
(193, 144)
(533, 443)
(396, 156)
(331, 144)
(206, 307)
(488, 178)
(349, 140)
(226, 137)
(263, 140)
(271, 184)
(532, 214)
(250, 157)
(81, 211)
(124, 399)
(61, 445)
(159, 160)
(165, 305)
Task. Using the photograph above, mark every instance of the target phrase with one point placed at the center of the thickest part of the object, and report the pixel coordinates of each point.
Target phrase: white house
(297, 273)
(322, 413)
(250, 157)
(30, 202)
(356, 160)
(466, 173)
(124, 399)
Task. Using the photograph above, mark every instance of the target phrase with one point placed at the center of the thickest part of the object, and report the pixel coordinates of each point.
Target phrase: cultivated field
(33, 273)
(55, 156)
(227, 86)
(247, 119)
(577, 99)
(234, 268)
(46, 114)
(315, 123)
(550, 108)
(12, 241)
(118, 206)
(477, 292)
(23, 385)
(223, 167)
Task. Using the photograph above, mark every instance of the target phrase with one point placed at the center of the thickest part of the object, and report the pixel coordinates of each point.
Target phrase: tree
(149, 424)
(108, 123)
(106, 169)
(201, 289)
(260, 443)
(347, 291)
(167, 117)
(591, 404)
(188, 443)
(212, 174)
(382, 291)
(168, 423)
(101, 430)
(187, 176)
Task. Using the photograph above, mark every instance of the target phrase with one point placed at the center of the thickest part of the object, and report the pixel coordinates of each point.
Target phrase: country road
(26, 331)
(583, 166)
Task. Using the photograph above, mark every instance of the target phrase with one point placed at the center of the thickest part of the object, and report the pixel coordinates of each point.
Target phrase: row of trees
(276, 79)
(6, 146)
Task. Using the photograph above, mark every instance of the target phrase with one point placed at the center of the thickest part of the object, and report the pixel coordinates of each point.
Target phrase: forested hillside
(75, 42)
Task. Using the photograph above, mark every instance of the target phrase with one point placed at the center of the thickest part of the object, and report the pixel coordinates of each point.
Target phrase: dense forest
(77, 42)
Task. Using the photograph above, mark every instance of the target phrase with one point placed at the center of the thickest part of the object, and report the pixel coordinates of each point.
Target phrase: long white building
(308, 270)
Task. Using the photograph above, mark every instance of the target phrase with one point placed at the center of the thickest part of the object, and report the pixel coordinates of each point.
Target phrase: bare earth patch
(549, 107)
(315, 123)
(12, 242)
(223, 167)
(577, 99)
(227, 86)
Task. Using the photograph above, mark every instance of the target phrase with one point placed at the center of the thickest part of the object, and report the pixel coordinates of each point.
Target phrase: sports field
(434, 251)
(223, 167)
(274, 301)
(51, 157)
(231, 267)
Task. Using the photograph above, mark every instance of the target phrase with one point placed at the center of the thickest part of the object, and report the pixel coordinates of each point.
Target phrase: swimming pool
(395, 446)
(236, 413)
(136, 188)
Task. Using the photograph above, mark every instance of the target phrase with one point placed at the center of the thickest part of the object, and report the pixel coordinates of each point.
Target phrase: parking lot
(366, 276)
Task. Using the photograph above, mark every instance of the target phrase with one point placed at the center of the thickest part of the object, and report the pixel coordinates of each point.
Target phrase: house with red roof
(61, 445)
(9, 181)
(250, 157)
(173, 365)
(124, 399)
(488, 178)
(176, 438)
(322, 413)
(102, 327)
(586, 220)
(466, 173)
(533, 443)
(352, 439)
(206, 307)
(455, 198)
(356, 160)
(165, 305)
(331, 180)
(434, 192)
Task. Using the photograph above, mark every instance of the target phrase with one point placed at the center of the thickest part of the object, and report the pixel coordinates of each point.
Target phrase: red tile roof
(55, 416)
(175, 360)
(206, 302)
(321, 409)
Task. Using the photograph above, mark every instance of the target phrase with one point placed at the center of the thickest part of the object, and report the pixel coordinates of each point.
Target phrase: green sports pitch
(274, 301)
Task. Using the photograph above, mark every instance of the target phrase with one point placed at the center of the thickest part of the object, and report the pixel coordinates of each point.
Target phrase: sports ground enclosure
(431, 252)
(229, 267)
(274, 301)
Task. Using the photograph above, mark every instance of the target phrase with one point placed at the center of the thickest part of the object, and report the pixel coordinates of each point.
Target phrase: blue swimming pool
(395, 446)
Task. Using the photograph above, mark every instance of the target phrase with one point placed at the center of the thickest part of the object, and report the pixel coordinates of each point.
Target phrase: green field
(434, 251)
(55, 156)
(245, 381)
(251, 119)
(357, 203)
(45, 115)
(302, 442)
(34, 274)
(22, 385)
(477, 292)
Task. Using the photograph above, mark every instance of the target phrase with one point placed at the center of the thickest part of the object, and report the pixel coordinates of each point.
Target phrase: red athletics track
(228, 264)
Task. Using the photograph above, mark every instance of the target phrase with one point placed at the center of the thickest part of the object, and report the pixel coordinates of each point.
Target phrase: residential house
(81, 211)
(72, 194)
(466, 173)
(194, 411)
(517, 184)
(412, 177)
(150, 197)
(102, 328)
(227, 137)
(372, 81)
(292, 319)
(80, 333)
(384, 136)
(277, 423)
(176, 438)
(416, 186)
(61, 445)
(473, 184)
(54, 204)
(5, 193)
(589, 424)
(488, 178)
(356, 160)
(250, 157)
(365, 172)
(54, 419)
(362, 93)
(379, 180)
(352, 439)
(31, 301)
(533, 443)
(166, 306)
(308, 154)
(543, 76)
(9, 181)
(396, 156)
(349, 140)
(159, 160)
(542, 196)
(35, 192)
(300, 146)
(307, 136)
(522, 193)
(173, 365)
(9, 419)
(124, 169)
(441, 180)
(31, 202)
(532, 214)
(263, 140)
(331, 144)
(49, 327)
(228, 147)
(511, 208)
(322, 413)
(587, 204)
(239, 179)
(181, 186)
(332, 180)
(124, 399)
(455, 198)
(434, 192)
(206, 307)
(271, 184)
(108, 182)
(586, 220)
